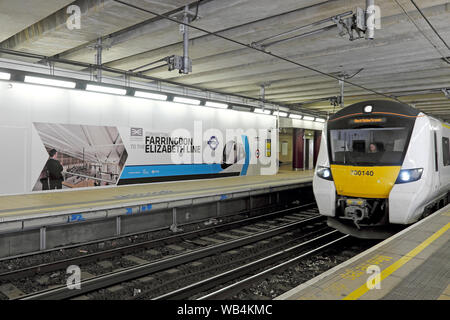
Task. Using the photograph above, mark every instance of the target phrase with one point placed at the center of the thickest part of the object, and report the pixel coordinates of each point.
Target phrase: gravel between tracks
(283, 281)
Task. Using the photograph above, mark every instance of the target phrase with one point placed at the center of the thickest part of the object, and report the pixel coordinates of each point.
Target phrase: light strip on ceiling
(280, 114)
(50, 82)
(5, 76)
(216, 105)
(186, 100)
(295, 116)
(308, 118)
(148, 95)
(265, 111)
(103, 89)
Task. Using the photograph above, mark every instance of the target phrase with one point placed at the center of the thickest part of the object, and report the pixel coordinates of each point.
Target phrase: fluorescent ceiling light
(186, 100)
(308, 118)
(265, 111)
(5, 76)
(50, 82)
(102, 89)
(280, 114)
(216, 105)
(295, 116)
(148, 95)
(320, 120)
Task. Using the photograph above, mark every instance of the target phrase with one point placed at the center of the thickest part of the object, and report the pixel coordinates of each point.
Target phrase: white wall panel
(13, 143)
(24, 154)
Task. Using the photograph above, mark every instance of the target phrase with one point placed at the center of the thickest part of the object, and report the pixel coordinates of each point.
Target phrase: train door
(436, 160)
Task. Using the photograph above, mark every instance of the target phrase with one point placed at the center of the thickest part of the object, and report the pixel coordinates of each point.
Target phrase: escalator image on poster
(90, 156)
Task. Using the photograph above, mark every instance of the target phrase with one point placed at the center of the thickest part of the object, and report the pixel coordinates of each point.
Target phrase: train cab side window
(446, 151)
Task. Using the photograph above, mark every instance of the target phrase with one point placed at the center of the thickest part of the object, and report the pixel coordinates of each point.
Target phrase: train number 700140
(361, 173)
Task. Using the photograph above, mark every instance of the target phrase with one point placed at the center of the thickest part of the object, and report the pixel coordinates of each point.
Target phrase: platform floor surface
(411, 265)
(55, 201)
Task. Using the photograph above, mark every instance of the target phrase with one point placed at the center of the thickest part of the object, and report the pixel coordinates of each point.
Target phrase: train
(382, 165)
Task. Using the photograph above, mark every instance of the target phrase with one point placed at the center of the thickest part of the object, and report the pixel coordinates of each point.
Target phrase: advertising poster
(69, 139)
(90, 156)
(156, 156)
(81, 156)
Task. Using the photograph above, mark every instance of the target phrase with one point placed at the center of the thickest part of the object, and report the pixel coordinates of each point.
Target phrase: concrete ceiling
(404, 59)
(17, 15)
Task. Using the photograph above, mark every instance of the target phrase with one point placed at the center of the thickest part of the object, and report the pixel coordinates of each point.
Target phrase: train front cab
(373, 162)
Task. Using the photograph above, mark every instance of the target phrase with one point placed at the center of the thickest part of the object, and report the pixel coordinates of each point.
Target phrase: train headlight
(324, 173)
(409, 175)
(368, 109)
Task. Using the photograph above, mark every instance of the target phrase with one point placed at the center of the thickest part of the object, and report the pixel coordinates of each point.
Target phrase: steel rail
(246, 212)
(228, 290)
(96, 256)
(230, 275)
(131, 273)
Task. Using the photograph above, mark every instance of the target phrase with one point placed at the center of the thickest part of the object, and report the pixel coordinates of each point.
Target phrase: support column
(42, 239)
(218, 208)
(186, 41)
(370, 19)
(174, 226)
(98, 59)
(118, 226)
(298, 149)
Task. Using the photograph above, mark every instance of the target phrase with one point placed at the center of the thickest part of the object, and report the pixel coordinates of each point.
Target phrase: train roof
(378, 106)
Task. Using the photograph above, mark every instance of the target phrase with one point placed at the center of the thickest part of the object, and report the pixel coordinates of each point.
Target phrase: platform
(414, 264)
(134, 208)
(68, 201)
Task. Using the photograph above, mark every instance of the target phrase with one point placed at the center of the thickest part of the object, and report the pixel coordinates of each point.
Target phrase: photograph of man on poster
(80, 156)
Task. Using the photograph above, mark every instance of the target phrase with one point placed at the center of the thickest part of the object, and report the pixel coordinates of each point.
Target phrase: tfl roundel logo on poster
(213, 143)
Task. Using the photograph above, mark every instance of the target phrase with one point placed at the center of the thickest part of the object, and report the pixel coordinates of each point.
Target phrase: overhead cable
(257, 49)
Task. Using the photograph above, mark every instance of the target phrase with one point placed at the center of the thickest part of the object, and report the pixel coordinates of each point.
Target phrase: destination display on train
(367, 120)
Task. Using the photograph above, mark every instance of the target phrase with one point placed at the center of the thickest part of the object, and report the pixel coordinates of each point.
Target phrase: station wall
(205, 142)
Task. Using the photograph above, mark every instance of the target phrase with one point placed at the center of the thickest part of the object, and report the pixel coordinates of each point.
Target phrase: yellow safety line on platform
(399, 263)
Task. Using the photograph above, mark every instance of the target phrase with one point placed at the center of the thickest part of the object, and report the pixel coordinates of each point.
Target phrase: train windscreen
(368, 146)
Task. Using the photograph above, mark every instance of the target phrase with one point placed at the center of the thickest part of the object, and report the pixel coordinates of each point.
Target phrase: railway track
(152, 268)
(123, 240)
(80, 258)
(273, 221)
(298, 251)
